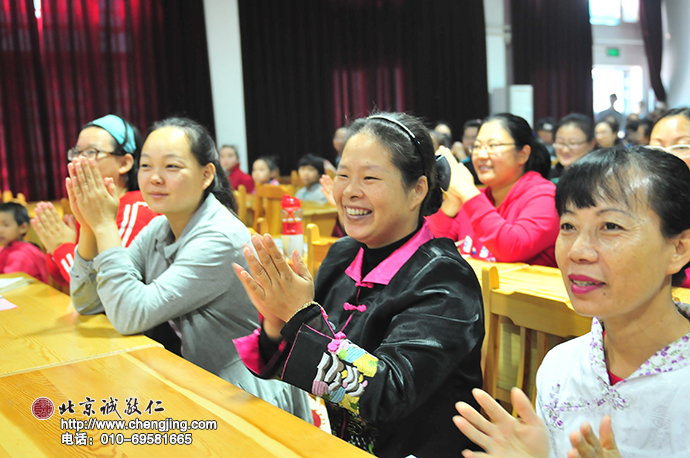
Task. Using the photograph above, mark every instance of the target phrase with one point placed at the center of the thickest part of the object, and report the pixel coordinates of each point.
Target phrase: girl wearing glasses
(115, 145)
(574, 139)
(393, 325)
(514, 218)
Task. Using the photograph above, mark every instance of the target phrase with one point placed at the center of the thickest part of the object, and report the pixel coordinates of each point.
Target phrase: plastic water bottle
(293, 232)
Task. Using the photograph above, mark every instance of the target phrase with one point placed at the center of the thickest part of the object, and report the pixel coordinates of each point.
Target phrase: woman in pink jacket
(514, 219)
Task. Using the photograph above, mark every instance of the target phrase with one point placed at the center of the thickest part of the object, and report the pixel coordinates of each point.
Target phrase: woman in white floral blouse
(624, 242)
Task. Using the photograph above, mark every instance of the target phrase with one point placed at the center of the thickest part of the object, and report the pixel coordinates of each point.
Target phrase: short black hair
(582, 122)
(271, 162)
(312, 160)
(19, 212)
(611, 174)
(471, 123)
(441, 138)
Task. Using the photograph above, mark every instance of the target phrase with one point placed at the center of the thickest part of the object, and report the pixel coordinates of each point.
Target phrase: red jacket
(238, 177)
(522, 229)
(132, 216)
(21, 256)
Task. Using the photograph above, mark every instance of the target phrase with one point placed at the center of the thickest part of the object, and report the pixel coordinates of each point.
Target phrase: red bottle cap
(290, 203)
(291, 225)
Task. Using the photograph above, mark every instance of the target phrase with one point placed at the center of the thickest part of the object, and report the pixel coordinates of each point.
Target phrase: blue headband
(119, 129)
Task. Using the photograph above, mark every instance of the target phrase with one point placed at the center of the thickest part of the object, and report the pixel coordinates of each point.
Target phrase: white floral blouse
(650, 410)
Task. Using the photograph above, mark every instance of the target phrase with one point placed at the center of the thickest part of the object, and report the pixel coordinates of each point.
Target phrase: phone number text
(147, 439)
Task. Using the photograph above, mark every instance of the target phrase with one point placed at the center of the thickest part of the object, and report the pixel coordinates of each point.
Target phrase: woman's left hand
(586, 444)
(276, 288)
(461, 180)
(95, 197)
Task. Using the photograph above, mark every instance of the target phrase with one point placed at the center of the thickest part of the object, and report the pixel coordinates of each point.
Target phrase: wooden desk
(502, 267)
(246, 426)
(323, 215)
(45, 330)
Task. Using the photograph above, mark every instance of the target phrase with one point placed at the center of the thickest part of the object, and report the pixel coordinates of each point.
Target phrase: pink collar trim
(384, 272)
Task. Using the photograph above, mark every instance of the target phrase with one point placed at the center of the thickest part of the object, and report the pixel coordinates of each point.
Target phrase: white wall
(225, 60)
(627, 38)
(675, 72)
(497, 37)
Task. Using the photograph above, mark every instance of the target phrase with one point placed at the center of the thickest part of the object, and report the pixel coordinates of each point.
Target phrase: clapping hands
(526, 436)
(276, 288)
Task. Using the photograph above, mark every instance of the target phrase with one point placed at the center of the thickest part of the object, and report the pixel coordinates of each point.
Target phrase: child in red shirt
(230, 161)
(17, 255)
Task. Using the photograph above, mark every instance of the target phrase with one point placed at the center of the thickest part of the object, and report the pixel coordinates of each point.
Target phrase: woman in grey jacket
(180, 266)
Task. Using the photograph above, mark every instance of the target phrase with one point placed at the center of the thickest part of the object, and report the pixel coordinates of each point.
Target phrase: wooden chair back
(317, 247)
(267, 206)
(261, 226)
(532, 314)
(241, 198)
(7, 196)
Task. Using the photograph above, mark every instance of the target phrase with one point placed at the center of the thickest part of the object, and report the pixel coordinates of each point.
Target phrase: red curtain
(67, 62)
(310, 66)
(650, 21)
(552, 51)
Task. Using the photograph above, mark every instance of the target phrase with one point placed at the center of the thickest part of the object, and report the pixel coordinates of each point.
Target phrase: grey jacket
(191, 282)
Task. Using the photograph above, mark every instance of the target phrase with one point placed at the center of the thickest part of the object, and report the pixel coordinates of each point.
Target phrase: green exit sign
(613, 52)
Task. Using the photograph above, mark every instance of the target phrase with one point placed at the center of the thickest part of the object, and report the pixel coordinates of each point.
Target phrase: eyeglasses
(90, 153)
(571, 145)
(675, 149)
(491, 148)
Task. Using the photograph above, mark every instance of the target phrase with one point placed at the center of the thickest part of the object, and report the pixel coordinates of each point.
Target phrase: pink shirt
(24, 257)
(522, 229)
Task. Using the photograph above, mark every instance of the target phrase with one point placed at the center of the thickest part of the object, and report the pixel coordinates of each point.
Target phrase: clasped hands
(93, 199)
(525, 437)
(277, 288)
(51, 229)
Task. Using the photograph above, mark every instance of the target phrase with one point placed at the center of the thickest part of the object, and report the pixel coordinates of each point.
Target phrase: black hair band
(405, 129)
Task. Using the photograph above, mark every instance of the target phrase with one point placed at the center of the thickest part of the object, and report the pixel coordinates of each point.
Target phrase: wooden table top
(45, 330)
(245, 425)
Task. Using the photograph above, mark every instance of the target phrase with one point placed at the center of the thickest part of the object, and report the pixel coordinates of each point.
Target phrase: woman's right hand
(503, 435)
(327, 188)
(52, 230)
(276, 288)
